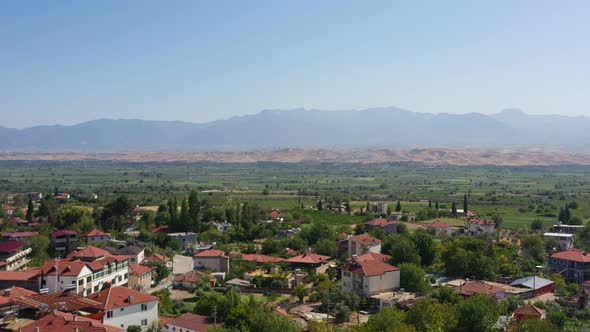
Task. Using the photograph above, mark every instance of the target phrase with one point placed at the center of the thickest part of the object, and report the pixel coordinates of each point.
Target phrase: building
(36, 305)
(220, 226)
(537, 285)
(15, 254)
(568, 229)
(158, 258)
(572, 264)
(441, 228)
(124, 307)
(189, 279)
(564, 241)
(134, 254)
(64, 322)
(9, 210)
(188, 240)
(187, 323)
(260, 259)
(211, 260)
(378, 208)
(362, 244)
(36, 196)
(141, 277)
(97, 236)
(386, 225)
(276, 215)
(370, 277)
(85, 272)
(308, 261)
(62, 196)
(528, 312)
(479, 227)
(469, 289)
(19, 236)
(28, 279)
(63, 242)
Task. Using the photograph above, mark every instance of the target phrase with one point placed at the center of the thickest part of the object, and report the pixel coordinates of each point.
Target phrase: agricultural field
(519, 194)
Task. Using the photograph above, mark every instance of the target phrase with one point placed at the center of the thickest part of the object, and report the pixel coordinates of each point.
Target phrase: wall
(133, 315)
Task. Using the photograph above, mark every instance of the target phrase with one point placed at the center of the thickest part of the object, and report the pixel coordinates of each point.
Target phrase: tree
(401, 249)
(497, 219)
(454, 210)
(477, 314)
(398, 207)
(446, 295)
(412, 278)
(436, 206)
(425, 245)
(347, 207)
(341, 313)
(558, 318)
(537, 225)
(465, 206)
(162, 271)
(134, 328)
(30, 210)
(533, 248)
(326, 247)
(430, 203)
(385, 320)
(320, 206)
(469, 257)
(430, 316)
(40, 249)
(300, 292)
(536, 325)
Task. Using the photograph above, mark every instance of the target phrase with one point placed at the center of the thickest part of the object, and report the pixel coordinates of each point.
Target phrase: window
(122, 309)
(143, 322)
(126, 276)
(143, 307)
(89, 278)
(80, 282)
(109, 314)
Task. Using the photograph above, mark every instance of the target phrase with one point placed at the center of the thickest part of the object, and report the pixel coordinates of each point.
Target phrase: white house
(367, 277)
(221, 226)
(362, 244)
(211, 260)
(124, 307)
(565, 241)
(187, 323)
(441, 228)
(97, 236)
(479, 227)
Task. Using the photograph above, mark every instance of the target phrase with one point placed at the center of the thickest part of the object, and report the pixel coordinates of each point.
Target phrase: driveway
(182, 264)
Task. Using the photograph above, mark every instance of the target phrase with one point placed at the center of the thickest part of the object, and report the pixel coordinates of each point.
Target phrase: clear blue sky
(71, 61)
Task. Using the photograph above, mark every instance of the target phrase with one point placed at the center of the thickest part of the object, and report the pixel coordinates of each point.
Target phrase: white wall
(133, 315)
(379, 284)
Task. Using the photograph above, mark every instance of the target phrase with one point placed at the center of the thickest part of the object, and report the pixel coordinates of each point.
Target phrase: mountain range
(388, 128)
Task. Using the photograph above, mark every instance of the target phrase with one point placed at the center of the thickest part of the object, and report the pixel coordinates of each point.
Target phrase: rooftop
(309, 259)
(8, 247)
(370, 268)
(575, 255)
(191, 322)
(381, 222)
(96, 232)
(211, 253)
(63, 322)
(118, 297)
(259, 258)
(365, 239)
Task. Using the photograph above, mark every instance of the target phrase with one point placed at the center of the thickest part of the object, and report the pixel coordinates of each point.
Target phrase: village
(152, 277)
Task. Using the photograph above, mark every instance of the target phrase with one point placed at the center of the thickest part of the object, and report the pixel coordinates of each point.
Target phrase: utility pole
(214, 312)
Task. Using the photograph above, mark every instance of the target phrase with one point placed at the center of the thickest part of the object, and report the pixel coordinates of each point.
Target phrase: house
(124, 307)
(469, 289)
(158, 258)
(29, 279)
(528, 312)
(160, 230)
(567, 229)
(220, 226)
(287, 233)
(362, 244)
(63, 196)
(97, 236)
(36, 196)
(211, 260)
(372, 256)
(140, 277)
(276, 215)
(19, 236)
(260, 259)
(62, 242)
(564, 241)
(189, 279)
(537, 285)
(572, 264)
(10, 210)
(63, 322)
(187, 323)
(134, 254)
(387, 225)
(441, 228)
(188, 240)
(15, 254)
(369, 277)
(85, 272)
(378, 208)
(310, 261)
(479, 227)
(34, 305)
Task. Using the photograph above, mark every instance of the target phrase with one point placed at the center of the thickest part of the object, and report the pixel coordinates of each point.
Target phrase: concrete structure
(187, 239)
(140, 277)
(362, 244)
(572, 264)
(63, 242)
(567, 229)
(386, 225)
(370, 277)
(479, 227)
(134, 254)
(211, 260)
(565, 241)
(97, 236)
(220, 226)
(14, 254)
(441, 228)
(124, 307)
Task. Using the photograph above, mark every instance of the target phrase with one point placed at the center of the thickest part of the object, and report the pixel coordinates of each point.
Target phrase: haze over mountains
(389, 128)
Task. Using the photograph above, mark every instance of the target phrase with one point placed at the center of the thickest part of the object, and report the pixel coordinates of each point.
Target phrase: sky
(65, 62)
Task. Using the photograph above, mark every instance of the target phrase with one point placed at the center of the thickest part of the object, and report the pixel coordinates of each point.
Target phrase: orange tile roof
(89, 252)
(118, 297)
(96, 232)
(64, 322)
(529, 310)
(365, 239)
(370, 268)
(309, 259)
(139, 270)
(381, 222)
(16, 292)
(155, 257)
(190, 322)
(480, 287)
(211, 253)
(20, 275)
(439, 224)
(482, 222)
(372, 256)
(72, 301)
(574, 255)
(258, 258)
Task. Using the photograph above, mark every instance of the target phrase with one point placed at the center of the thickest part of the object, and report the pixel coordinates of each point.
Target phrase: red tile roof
(574, 255)
(73, 302)
(20, 275)
(16, 292)
(9, 247)
(139, 270)
(118, 297)
(439, 224)
(62, 232)
(96, 232)
(63, 267)
(156, 258)
(258, 258)
(480, 287)
(192, 277)
(276, 214)
(8, 208)
(381, 222)
(309, 259)
(63, 322)
(89, 252)
(365, 239)
(370, 268)
(20, 234)
(529, 310)
(372, 256)
(482, 222)
(190, 322)
(211, 253)
(161, 229)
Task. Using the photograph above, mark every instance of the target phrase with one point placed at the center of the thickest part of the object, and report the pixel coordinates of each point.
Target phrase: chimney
(75, 318)
(36, 329)
(130, 299)
(76, 329)
(61, 306)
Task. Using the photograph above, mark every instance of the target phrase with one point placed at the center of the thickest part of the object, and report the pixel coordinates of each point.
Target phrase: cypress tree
(347, 205)
(436, 205)
(465, 207)
(320, 205)
(430, 203)
(30, 209)
(398, 207)
(454, 209)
